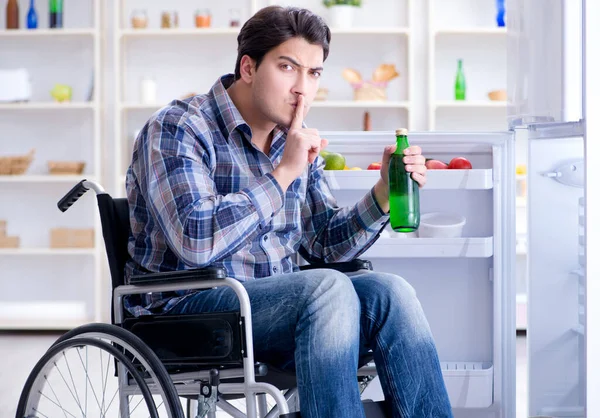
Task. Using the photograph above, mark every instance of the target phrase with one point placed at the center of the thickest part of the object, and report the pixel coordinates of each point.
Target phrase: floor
(19, 353)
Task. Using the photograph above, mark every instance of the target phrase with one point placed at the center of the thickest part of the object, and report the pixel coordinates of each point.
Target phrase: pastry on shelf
(374, 89)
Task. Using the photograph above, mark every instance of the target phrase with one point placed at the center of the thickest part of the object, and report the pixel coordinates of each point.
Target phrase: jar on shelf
(139, 19)
(235, 17)
(169, 19)
(203, 18)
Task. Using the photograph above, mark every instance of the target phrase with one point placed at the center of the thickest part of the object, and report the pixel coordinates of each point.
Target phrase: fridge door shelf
(469, 247)
(469, 385)
(474, 179)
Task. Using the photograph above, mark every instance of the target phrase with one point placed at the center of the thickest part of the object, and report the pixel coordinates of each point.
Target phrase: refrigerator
(467, 284)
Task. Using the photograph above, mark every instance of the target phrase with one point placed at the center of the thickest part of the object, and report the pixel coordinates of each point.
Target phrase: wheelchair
(158, 365)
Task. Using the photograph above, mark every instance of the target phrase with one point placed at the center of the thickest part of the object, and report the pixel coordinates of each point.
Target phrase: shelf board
(472, 31)
(42, 324)
(47, 106)
(44, 178)
(362, 104)
(470, 104)
(42, 314)
(46, 251)
(371, 31)
(474, 179)
(431, 248)
(153, 33)
(140, 33)
(29, 33)
(141, 106)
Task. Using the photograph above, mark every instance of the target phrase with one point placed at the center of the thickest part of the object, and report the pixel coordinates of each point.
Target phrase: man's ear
(247, 69)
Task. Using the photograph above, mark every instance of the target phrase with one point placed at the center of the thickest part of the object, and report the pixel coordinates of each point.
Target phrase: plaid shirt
(200, 194)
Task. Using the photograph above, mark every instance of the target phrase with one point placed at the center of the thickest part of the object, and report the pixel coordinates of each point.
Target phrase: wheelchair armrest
(345, 267)
(207, 273)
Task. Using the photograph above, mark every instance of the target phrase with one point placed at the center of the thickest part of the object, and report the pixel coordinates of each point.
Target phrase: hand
(414, 162)
(302, 146)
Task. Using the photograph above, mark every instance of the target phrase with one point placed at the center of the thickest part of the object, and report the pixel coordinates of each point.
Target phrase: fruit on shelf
(374, 166)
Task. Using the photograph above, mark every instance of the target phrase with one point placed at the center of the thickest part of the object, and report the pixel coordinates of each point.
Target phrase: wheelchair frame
(194, 384)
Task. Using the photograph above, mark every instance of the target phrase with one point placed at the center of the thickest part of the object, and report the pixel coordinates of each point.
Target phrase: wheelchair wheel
(53, 390)
(76, 373)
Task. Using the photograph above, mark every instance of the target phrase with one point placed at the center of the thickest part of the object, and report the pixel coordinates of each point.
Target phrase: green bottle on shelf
(405, 212)
(460, 86)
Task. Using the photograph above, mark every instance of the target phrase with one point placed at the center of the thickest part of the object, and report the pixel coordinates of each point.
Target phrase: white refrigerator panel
(466, 285)
(556, 285)
(536, 56)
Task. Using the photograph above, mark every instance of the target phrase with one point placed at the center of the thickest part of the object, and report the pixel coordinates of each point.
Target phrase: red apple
(460, 163)
(436, 165)
(374, 166)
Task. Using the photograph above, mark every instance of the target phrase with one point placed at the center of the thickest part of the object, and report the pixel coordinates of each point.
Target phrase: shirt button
(274, 269)
(265, 238)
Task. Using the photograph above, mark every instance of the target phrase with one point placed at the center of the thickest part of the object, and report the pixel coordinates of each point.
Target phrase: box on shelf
(9, 242)
(71, 238)
(5, 240)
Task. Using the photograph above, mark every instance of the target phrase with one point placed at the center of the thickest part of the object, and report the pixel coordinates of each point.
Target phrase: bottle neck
(401, 144)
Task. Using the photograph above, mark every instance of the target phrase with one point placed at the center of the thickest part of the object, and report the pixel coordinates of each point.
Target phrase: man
(233, 178)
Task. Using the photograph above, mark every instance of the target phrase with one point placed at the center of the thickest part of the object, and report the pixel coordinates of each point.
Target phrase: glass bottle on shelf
(32, 18)
(460, 85)
(165, 20)
(234, 18)
(500, 18)
(12, 14)
(56, 13)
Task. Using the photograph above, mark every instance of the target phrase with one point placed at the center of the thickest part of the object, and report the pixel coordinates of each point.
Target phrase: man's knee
(331, 295)
(385, 295)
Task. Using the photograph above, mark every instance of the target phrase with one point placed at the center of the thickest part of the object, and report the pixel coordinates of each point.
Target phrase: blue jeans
(322, 324)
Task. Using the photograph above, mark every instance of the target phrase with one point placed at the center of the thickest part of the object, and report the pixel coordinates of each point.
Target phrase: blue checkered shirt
(201, 194)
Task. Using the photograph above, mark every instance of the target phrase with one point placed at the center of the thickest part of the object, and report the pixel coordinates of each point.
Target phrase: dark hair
(273, 25)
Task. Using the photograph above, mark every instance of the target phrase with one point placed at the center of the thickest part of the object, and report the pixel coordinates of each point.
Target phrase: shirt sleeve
(200, 226)
(334, 234)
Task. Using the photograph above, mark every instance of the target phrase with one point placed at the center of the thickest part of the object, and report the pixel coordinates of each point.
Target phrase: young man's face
(292, 68)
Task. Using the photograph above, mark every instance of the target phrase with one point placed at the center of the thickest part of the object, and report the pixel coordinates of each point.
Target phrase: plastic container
(441, 225)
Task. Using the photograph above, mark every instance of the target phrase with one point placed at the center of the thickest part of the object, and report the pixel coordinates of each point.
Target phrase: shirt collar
(230, 117)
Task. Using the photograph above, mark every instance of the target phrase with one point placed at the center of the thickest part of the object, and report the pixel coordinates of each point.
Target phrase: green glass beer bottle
(404, 191)
(460, 85)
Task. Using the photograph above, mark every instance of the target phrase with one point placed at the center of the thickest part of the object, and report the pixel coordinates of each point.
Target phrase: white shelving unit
(333, 113)
(472, 23)
(42, 287)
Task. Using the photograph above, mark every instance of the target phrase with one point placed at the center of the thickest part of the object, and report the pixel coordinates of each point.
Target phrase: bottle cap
(402, 131)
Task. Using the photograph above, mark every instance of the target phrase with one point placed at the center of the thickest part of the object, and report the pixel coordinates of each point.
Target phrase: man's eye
(317, 74)
(286, 67)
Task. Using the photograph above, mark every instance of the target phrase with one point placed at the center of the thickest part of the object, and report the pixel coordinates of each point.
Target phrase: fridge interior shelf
(473, 179)
(473, 247)
(469, 385)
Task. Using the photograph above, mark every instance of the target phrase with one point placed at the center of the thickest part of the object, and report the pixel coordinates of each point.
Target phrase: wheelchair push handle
(76, 192)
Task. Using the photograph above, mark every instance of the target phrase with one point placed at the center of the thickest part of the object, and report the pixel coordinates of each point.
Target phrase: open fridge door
(546, 92)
